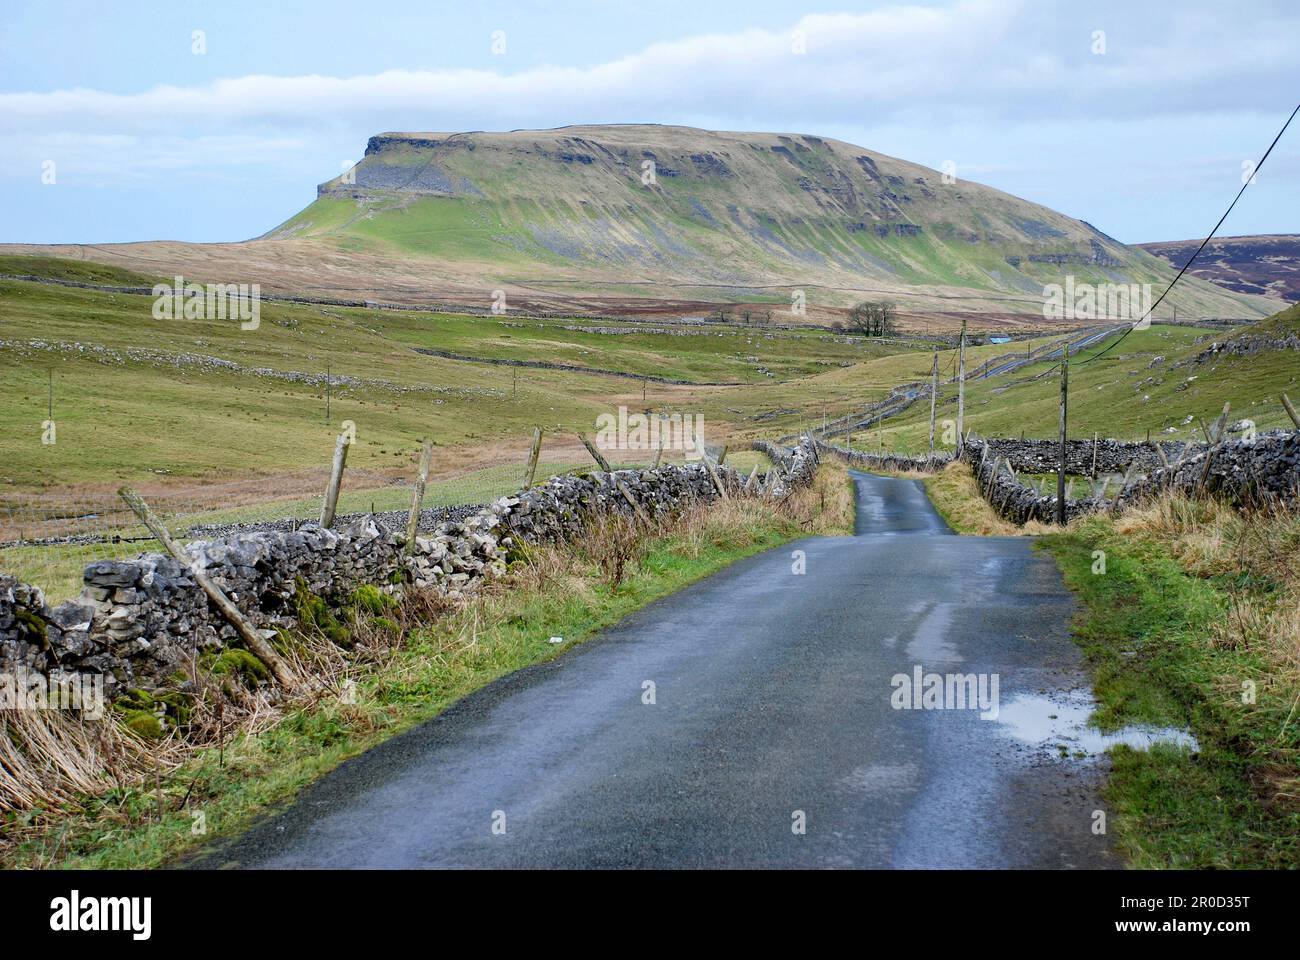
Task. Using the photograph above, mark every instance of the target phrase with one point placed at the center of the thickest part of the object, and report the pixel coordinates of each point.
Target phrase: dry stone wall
(137, 622)
(1265, 468)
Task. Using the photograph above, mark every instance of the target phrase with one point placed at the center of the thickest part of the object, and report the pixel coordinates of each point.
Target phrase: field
(214, 424)
(1125, 395)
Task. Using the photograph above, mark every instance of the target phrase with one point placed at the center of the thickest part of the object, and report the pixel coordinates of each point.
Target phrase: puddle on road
(1052, 723)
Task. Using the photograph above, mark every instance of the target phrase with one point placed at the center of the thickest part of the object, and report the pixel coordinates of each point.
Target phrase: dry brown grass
(826, 507)
(50, 757)
(957, 497)
(1253, 555)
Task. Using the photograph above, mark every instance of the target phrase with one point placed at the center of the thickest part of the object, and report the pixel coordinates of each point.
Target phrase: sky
(214, 121)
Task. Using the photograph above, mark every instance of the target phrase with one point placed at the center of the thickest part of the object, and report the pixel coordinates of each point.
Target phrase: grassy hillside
(723, 208)
(196, 402)
(1147, 383)
(79, 271)
(140, 399)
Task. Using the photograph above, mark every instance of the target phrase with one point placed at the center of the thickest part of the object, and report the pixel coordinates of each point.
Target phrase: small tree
(873, 318)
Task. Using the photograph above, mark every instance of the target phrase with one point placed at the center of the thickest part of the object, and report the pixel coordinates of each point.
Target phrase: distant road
(772, 704)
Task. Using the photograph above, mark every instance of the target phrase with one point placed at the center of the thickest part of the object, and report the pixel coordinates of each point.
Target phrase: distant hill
(630, 218)
(1268, 265)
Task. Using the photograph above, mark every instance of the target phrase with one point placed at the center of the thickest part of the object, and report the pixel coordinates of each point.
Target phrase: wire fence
(48, 538)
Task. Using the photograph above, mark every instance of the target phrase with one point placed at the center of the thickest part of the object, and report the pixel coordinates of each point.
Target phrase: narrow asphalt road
(771, 741)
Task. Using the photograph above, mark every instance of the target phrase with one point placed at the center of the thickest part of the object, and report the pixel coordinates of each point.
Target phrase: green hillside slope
(767, 210)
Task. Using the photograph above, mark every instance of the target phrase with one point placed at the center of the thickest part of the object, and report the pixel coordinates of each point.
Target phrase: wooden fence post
(717, 481)
(264, 651)
(1219, 427)
(330, 504)
(417, 497)
(533, 456)
(595, 454)
(1290, 411)
(1123, 486)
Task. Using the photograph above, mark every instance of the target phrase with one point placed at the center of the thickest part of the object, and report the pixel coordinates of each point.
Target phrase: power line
(1192, 258)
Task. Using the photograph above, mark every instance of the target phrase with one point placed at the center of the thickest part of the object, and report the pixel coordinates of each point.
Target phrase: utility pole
(934, 393)
(1060, 468)
(961, 388)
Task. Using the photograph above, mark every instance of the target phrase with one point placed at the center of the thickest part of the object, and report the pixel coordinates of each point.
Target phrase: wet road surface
(772, 712)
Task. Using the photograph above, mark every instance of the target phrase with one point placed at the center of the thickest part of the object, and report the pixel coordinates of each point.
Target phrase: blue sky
(1144, 137)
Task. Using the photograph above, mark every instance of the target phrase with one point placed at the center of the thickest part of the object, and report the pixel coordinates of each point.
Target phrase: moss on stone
(33, 625)
(235, 662)
(314, 613)
(144, 724)
(369, 599)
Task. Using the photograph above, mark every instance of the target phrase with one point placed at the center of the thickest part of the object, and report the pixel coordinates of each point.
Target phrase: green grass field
(1125, 394)
(137, 398)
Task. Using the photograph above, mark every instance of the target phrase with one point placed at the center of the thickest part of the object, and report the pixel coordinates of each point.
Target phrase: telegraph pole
(934, 392)
(961, 389)
(1060, 468)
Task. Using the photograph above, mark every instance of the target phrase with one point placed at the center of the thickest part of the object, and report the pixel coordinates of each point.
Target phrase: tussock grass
(827, 506)
(956, 496)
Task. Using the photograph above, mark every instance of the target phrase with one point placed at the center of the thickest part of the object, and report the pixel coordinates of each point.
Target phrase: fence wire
(48, 538)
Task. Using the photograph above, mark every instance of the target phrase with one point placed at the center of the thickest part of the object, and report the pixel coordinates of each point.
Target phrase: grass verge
(218, 790)
(1191, 622)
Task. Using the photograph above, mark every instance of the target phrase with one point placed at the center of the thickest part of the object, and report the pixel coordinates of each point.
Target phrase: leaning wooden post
(723, 455)
(1290, 411)
(708, 465)
(1095, 435)
(639, 510)
(1123, 486)
(1060, 469)
(264, 651)
(595, 454)
(753, 475)
(961, 390)
(717, 481)
(1216, 440)
(417, 497)
(659, 454)
(330, 504)
(934, 395)
(533, 455)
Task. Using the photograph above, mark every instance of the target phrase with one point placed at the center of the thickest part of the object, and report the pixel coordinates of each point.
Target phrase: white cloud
(998, 59)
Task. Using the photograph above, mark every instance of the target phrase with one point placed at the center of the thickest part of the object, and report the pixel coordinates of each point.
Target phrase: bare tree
(873, 318)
